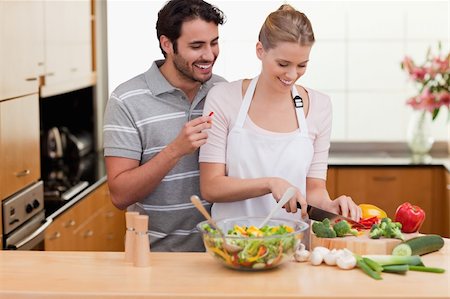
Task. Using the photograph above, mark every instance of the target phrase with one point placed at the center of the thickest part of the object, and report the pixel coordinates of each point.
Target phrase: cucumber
(419, 245)
(402, 250)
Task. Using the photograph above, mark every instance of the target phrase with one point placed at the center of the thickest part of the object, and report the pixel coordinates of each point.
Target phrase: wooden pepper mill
(141, 243)
(129, 236)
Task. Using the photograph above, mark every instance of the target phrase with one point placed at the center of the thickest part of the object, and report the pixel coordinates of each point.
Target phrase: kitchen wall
(356, 59)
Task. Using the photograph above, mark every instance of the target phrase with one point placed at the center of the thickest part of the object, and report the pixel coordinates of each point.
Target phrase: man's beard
(182, 66)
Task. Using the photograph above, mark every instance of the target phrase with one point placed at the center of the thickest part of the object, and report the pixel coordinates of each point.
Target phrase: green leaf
(435, 113)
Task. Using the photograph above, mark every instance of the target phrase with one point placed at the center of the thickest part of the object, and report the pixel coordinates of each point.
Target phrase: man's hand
(191, 137)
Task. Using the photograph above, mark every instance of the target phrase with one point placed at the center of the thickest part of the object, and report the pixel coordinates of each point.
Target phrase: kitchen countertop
(40, 274)
(387, 159)
(341, 157)
(386, 154)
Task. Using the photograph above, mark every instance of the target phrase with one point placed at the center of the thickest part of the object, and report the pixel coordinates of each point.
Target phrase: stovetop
(64, 179)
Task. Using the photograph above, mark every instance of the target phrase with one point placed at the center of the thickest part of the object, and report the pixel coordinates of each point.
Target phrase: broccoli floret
(375, 232)
(387, 229)
(392, 231)
(386, 220)
(322, 230)
(343, 228)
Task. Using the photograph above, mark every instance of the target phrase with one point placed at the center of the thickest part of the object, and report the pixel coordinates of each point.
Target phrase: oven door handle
(36, 233)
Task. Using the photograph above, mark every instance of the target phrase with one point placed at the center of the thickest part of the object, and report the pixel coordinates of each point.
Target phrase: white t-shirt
(225, 100)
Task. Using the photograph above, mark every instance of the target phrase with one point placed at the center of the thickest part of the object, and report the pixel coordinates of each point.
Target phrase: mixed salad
(262, 248)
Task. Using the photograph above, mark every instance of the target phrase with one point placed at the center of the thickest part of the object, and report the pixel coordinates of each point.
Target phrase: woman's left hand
(345, 206)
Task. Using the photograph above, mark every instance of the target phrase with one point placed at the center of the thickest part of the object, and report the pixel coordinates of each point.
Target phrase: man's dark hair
(172, 16)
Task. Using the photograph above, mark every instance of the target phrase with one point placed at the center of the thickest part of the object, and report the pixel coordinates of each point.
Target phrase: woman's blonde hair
(286, 25)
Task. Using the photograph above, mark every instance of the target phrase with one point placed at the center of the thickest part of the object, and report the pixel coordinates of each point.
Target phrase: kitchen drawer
(93, 224)
(389, 187)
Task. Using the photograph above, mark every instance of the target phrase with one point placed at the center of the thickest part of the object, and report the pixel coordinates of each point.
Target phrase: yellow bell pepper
(369, 211)
(241, 230)
(254, 231)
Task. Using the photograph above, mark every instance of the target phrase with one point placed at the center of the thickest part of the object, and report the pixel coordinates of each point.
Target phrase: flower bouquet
(433, 80)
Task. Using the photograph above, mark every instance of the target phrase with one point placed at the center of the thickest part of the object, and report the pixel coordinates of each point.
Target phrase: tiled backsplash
(356, 59)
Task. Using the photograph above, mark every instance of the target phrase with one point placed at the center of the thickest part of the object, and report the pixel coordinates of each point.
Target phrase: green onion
(366, 268)
(372, 264)
(401, 269)
(426, 269)
(413, 260)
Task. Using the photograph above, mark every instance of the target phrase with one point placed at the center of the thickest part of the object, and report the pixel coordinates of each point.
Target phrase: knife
(318, 214)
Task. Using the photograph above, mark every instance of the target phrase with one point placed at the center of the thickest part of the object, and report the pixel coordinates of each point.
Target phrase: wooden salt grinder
(141, 243)
(129, 235)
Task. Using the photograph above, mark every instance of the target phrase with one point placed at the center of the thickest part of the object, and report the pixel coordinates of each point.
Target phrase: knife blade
(318, 214)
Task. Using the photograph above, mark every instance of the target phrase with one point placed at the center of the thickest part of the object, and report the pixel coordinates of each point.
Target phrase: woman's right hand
(278, 186)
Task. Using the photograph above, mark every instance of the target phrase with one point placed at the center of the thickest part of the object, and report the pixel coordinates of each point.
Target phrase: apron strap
(246, 103)
(298, 102)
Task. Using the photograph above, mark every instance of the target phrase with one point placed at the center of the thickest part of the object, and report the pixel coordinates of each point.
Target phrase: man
(153, 127)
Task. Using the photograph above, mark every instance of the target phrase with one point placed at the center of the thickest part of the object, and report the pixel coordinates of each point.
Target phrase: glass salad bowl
(249, 247)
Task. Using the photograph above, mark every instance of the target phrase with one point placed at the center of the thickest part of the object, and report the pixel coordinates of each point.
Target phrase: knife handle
(299, 206)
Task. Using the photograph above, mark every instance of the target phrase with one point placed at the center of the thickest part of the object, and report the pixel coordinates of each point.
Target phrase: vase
(419, 136)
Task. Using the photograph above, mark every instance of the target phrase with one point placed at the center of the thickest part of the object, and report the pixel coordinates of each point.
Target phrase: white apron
(254, 155)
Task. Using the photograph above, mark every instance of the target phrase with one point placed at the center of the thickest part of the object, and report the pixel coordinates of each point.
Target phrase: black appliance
(59, 143)
(68, 157)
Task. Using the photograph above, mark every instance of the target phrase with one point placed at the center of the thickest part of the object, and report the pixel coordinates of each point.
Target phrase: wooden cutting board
(361, 244)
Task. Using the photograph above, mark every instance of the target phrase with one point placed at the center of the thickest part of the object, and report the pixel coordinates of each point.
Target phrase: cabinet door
(388, 187)
(19, 144)
(93, 224)
(60, 236)
(105, 230)
(21, 47)
(446, 206)
(331, 182)
(111, 222)
(68, 46)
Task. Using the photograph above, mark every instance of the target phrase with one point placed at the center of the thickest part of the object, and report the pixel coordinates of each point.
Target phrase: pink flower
(444, 99)
(433, 77)
(418, 73)
(407, 64)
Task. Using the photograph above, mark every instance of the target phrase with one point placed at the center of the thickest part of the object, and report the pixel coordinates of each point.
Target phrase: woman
(269, 134)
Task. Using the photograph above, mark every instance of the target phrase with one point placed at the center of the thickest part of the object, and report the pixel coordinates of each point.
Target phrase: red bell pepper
(411, 217)
(368, 222)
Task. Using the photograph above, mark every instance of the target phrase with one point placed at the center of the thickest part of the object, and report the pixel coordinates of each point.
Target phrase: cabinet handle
(50, 74)
(73, 70)
(31, 79)
(22, 173)
(384, 178)
(40, 63)
(55, 236)
(88, 233)
(448, 187)
(70, 223)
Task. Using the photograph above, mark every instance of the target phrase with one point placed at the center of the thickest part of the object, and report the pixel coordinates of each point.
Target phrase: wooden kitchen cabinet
(93, 224)
(19, 144)
(388, 187)
(21, 47)
(331, 182)
(68, 47)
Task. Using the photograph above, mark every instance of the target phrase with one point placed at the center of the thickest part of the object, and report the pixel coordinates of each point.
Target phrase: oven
(24, 220)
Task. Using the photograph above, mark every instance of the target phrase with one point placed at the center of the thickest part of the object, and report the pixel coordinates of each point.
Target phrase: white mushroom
(330, 257)
(302, 255)
(322, 250)
(346, 261)
(316, 258)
